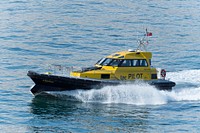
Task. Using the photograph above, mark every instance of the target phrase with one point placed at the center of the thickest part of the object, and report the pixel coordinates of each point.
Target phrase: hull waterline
(46, 82)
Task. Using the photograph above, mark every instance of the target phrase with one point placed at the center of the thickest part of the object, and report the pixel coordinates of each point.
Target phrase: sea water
(37, 33)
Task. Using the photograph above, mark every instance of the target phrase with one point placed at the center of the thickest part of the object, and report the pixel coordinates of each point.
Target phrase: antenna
(144, 41)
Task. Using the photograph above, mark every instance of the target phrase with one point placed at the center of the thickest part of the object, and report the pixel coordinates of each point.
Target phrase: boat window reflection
(100, 61)
(105, 62)
(123, 62)
(115, 62)
(134, 63)
(126, 63)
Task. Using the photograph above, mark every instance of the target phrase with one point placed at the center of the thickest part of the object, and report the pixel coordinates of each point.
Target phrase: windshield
(106, 62)
(115, 62)
(100, 61)
(109, 62)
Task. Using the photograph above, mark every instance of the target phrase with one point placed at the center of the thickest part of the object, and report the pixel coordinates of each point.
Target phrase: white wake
(141, 93)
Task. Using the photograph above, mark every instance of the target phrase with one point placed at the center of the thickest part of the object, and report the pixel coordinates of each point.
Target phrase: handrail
(60, 69)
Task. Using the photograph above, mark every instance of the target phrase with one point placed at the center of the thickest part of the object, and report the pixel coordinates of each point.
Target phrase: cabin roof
(130, 54)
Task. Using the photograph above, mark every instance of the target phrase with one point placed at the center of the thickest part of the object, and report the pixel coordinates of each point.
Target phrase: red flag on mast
(149, 34)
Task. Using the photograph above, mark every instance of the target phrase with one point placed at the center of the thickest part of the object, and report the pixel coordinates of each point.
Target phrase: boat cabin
(125, 65)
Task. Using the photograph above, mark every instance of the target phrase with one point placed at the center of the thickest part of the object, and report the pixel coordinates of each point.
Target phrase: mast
(144, 41)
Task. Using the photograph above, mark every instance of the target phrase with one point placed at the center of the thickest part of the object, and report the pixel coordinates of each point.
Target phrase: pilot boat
(125, 67)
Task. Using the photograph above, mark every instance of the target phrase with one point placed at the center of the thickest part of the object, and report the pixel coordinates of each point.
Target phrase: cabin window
(143, 63)
(134, 63)
(123, 62)
(126, 63)
(140, 63)
(100, 61)
(109, 62)
(105, 62)
(114, 62)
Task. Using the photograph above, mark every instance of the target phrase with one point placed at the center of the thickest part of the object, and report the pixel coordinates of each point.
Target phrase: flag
(149, 34)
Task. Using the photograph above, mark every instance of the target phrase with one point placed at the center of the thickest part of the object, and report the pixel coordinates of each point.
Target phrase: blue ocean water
(36, 33)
